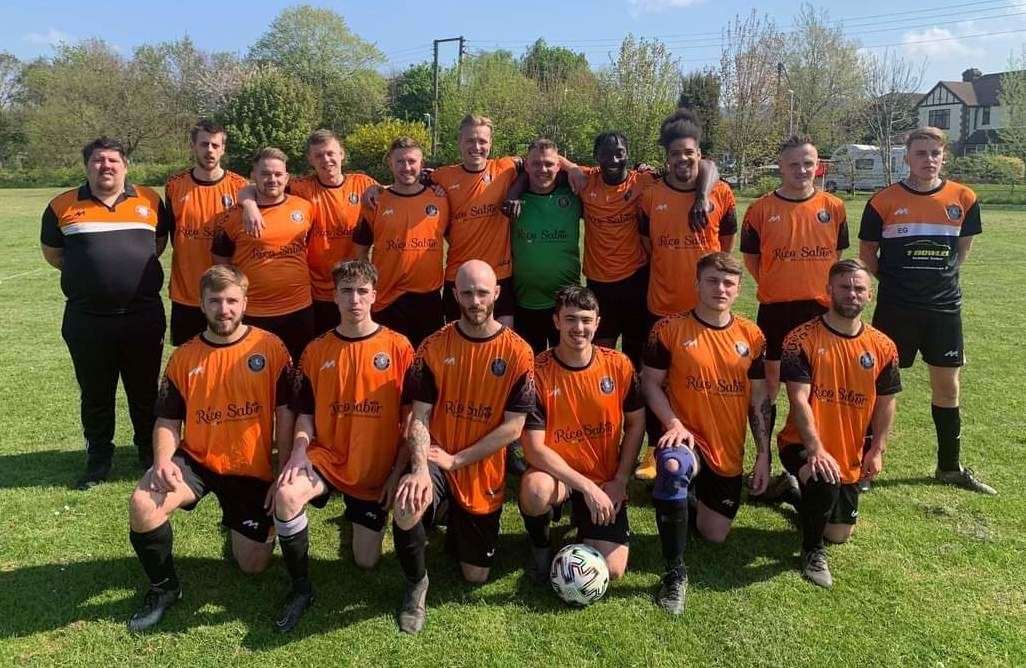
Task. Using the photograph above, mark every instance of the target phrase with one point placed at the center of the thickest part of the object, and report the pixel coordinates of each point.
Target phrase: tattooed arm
(759, 410)
(414, 492)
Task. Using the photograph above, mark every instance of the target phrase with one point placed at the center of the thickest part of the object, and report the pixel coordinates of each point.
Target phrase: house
(970, 111)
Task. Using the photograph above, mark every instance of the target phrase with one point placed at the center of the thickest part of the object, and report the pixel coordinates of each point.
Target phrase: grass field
(933, 576)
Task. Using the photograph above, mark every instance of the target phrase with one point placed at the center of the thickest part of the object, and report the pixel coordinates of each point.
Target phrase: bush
(68, 177)
(988, 167)
(367, 145)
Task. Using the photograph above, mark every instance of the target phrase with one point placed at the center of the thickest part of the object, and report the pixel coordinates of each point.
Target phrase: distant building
(969, 110)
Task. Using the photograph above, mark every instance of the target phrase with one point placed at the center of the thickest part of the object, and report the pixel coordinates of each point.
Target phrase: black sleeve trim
(537, 418)
(728, 223)
(757, 370)
(889, 380)
(633, 400)
(750, 241)
(521, 396)
(50, 232)
(842, 236)
(795, 366)
(284, 386)
(656, 356)
(164, 224)
(302, 394)
(871, 227)
(643, 223)
(170, 402)
(223, 245)
(363, 235)
(420, 384)
(971, 224)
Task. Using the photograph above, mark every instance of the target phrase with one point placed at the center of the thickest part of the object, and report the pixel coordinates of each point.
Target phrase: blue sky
(949, 35)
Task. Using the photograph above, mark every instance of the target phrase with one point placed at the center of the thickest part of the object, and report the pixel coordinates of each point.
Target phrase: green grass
(933, 576)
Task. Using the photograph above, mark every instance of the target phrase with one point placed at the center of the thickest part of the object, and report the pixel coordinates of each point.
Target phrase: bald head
(476, 292)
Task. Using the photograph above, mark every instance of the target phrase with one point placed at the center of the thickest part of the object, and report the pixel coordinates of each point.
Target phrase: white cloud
(937, 43)
(655, 6)
(51, 37)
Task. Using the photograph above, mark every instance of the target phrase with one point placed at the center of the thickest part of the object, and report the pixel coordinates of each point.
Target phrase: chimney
(971, 74)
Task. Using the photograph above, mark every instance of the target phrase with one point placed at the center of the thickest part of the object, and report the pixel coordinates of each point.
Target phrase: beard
(478, 316)
(851, 311)
(224, 327)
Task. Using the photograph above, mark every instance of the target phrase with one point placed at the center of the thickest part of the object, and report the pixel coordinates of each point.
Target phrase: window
(940, 118)
(986, 116)
(864, 163)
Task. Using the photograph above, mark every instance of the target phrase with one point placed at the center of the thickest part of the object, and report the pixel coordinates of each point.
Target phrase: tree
(890, 108)
(747, 84)
(822, 69)
(317, 48)
(411, 93)
(1013, 105)
(11, 93)
(550, 64)
(367, 145)
(700, 92)
(271, 109)
(638, 91)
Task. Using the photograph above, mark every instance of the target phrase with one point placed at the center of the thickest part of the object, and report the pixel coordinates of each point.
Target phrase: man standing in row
(275, 262)
(105, 237)
(195, 197)
(915, 235)
(471, 387)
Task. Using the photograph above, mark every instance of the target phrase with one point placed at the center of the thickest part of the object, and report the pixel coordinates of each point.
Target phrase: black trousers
(107, 347)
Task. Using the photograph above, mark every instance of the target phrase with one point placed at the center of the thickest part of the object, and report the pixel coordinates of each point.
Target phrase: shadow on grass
(61, 468)
(917, 481)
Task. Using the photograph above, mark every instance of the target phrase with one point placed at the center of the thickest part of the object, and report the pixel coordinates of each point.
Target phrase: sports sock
(154, 551)
(672, 522)
(409, 549)
(818, 499)
(948, 424)
(294, 538)
(538, 527)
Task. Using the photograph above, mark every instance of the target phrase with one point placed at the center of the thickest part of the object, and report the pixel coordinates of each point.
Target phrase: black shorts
(776, 321)
(326, 316)
(622, 307)
(295, 329)
(846, 510)
(721, 494)
(535, 326)
(370, 514)
(241, 497)
(503, 305)
(618, 532)
(938, 336)
(415, 315)
(469, 538)
(186, 322)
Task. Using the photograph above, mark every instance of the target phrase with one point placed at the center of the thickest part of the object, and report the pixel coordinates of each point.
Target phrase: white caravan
(862, 163)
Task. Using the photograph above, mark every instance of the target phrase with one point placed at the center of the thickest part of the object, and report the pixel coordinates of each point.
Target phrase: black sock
(295, 549)
(154, 551)
(948, 424)
(538, 527)
(818, 499)
(672, 521)
(409, 548)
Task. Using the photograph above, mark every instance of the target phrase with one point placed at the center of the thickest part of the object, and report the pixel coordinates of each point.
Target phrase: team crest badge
(954, 212)
(499, 367)
(823, 216)
(563, 202)
(382, 361)
(296, 216)
(431, 210)
(866, 360)
(227, 201)
(256, 362)
(606, 385)
(143, 211)
(353, 198)
(742, 348)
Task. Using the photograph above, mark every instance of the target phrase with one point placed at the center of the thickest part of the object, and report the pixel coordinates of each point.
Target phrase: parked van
(863, 162)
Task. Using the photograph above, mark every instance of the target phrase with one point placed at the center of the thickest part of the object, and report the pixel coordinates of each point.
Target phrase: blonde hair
(473, 121)
(270, 153)
(221, 276)
(928, 132)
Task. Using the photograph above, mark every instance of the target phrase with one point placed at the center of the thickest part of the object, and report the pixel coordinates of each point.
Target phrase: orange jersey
(225, 396)
(471, 383)
(581, 410)
(796, 241)
(612, 242)
(708, 381)
(193, 207)
(279, 279)
(336, 212)
(353, 388)
(847, 374)
(663, 215)
(477, 228)
(407, 233)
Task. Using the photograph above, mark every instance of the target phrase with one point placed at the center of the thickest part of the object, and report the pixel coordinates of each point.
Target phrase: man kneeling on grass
(229, 388)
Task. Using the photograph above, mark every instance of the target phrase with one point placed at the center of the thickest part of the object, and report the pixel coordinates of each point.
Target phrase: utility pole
(434, 78)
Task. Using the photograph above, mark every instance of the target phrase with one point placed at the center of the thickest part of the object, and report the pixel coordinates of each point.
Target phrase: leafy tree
(637, 92)
(271, 109)
(1013, 105)
(11, 94)
(367, 145)
(549, 64)
(889, 110)
(700, 92)
(412, 92)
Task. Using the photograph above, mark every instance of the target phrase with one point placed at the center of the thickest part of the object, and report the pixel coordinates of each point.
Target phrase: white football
(579, 574)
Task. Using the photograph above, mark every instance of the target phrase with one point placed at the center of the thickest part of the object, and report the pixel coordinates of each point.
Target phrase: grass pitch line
(19, 275)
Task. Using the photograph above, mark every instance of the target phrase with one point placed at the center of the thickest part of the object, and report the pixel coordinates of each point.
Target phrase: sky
(950, 36)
